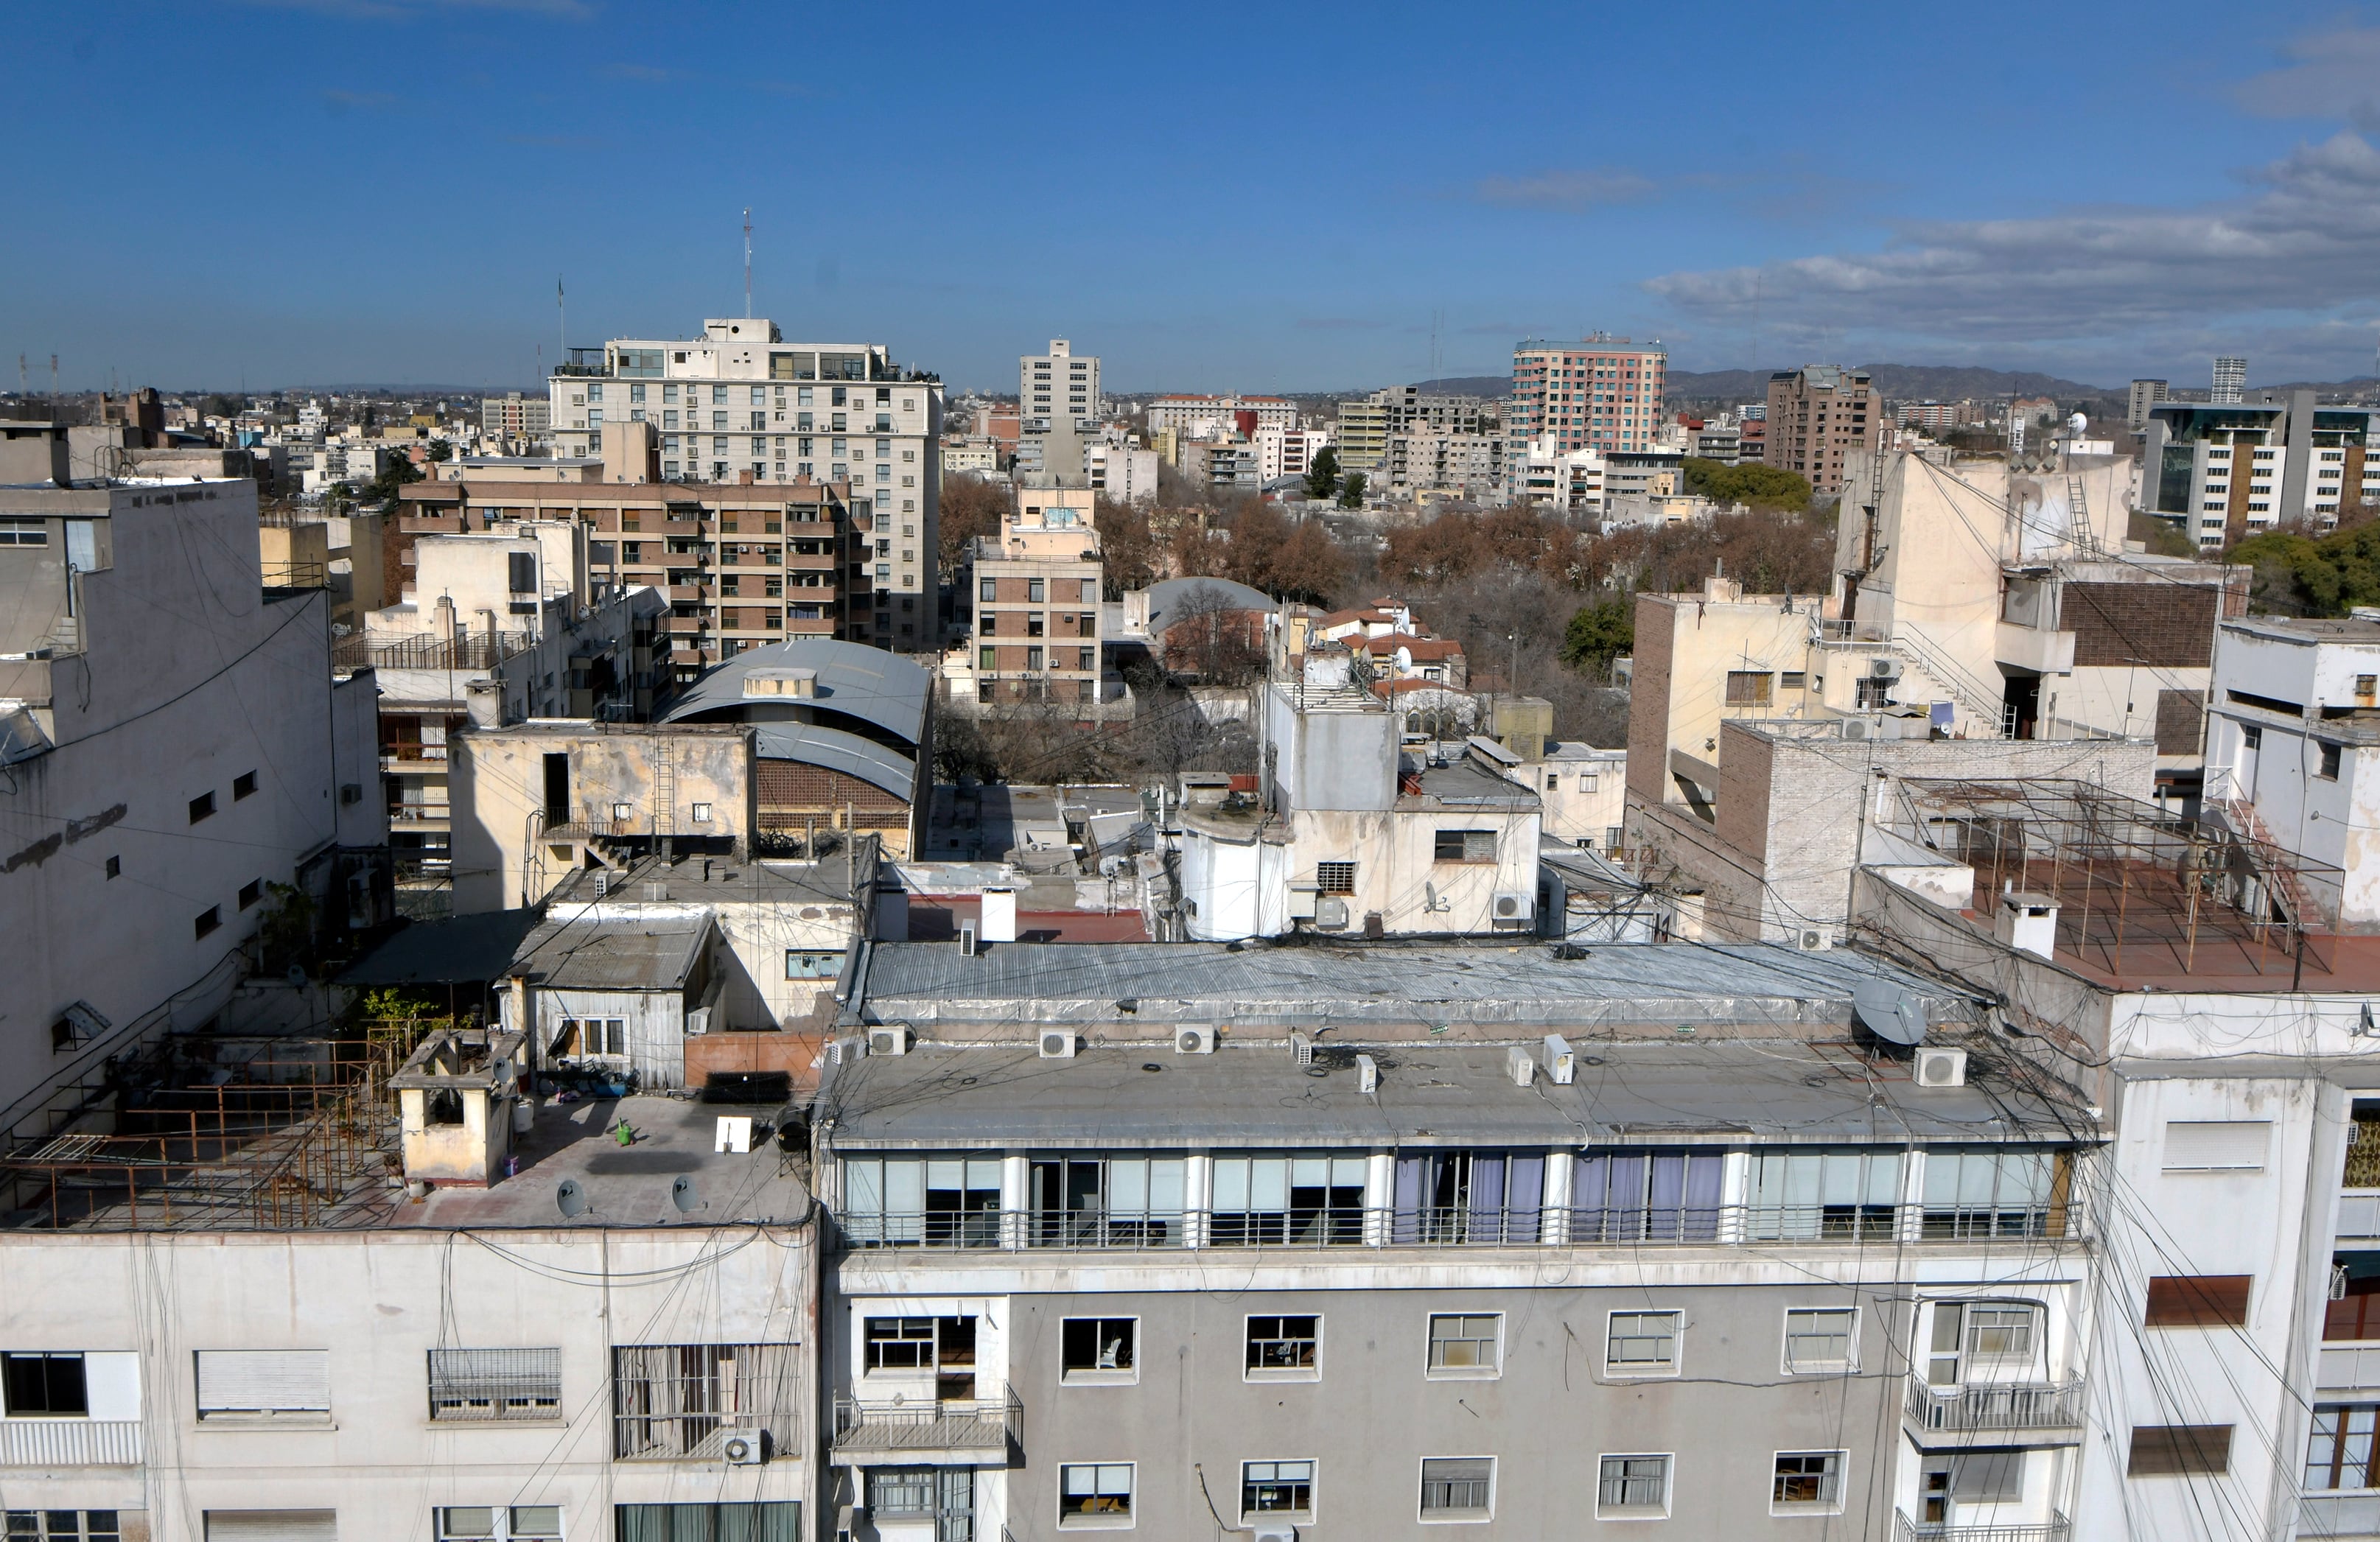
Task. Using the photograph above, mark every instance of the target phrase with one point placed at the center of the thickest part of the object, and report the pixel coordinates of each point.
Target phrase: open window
(1098, 1351)
(938, 1351)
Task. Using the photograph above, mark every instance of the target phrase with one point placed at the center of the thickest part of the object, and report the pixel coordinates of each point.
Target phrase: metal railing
(471, 650)
(990, 1424)
(297, 574)
(1459, 1226)
(1992, 1407)
(2054, 1529)
(69, 1442)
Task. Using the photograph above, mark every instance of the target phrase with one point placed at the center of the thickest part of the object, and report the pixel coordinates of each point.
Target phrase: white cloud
(1581, 188)
(2330, 75)
(2284, 257)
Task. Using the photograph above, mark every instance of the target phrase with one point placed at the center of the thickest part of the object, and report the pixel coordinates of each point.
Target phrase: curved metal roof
(866, 682)
(1164, 597)
(815, 744)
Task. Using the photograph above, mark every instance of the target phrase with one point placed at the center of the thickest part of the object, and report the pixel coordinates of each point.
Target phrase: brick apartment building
(1818, 415)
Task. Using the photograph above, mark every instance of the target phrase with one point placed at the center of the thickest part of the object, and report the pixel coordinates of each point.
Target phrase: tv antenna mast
(747, 264)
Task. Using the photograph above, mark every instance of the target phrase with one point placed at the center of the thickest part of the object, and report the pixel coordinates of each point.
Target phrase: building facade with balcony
(1601, 393)
(2220, 473)
(1473, 1275)
(1039, 601)
(738, 406)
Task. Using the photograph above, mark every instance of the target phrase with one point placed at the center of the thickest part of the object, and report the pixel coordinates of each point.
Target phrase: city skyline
(395, 186)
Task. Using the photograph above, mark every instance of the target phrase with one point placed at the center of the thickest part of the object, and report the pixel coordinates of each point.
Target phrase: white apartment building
(1060, 384)
(740, 404)
(1287, 452)
(2230, 380)
(1125, 472)
(1569, 482)
(2223, 472)
(1208, 416)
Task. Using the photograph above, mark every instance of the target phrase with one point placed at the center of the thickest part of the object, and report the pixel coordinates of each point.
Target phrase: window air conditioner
(1884, 669)
(1193, 1040)
(1058, 1044)
(1941, 1068)
(888, 1041)
(1513, 908)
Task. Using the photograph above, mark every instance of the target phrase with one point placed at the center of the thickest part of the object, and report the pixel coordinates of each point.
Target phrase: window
(243, 785)
(1458, 1488)
(1807, 1481)
(590, 1036)
(1647, 1195)
(672, 1401)
(44, 1385)
(67, 1525)
(1310, 1200)
(264, 1384)
(24, 532)
(1974, 1335)
(1750, 688)
(2210, 1145)
(988, 589)
(1819, 1339)
(477, 1384)
(520, 1523)
(2328, 766)
(1995, 1193)
(1810, 1196)
(114, 865)
(1632, 1485)
(2343, 1453)
(208, 920)
(1284, 1348)
(2179, 1450)
(1335, 878)
(1642, 1344)
(765, 1521)
(1095, 1494)
(701, 812)
(1792, 680)
(1466, 1345)
(202, 807)
(2198, 1300)
(1867, 693)
(251, 891)
(1465, 845)
(1097, 1350)
(937, 1201)
(1094, 1201)
(1469, 1196)
(802, 963)
(1283, 1488)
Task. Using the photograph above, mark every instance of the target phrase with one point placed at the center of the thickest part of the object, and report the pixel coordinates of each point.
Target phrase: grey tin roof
(858, 681)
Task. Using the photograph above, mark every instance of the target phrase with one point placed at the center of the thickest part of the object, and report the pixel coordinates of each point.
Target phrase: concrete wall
(1685, 647)
(1574, 813)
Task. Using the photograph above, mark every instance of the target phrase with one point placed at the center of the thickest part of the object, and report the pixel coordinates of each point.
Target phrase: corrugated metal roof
(643, 953)
(816, 745)
(858, 681)
(1167, 597)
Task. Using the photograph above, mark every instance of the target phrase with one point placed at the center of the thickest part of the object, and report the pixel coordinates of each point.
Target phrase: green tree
(442, 450)
(1323, 476)
(1350, 496)
(1598, 634)
(1761, 487)
(2314, 574)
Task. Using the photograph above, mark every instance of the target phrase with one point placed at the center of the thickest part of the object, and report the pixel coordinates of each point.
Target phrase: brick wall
(1649, 700)
(2167, 624)
(789, 785)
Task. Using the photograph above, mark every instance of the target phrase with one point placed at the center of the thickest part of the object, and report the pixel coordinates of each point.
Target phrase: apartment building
(1228, 413)
(2224, 472)
(2230, 380)
(1476, 1278)
(1571, 483)
(738, 405)
(173, 747)
(1037, 603)
(1817, 417)
(2143, 396)
(1060, 385)
(1603, 393)
(513, 417)
(1125, 473)
(1423, 457)
(505, 1302)
(1287, 452)
(743, 565)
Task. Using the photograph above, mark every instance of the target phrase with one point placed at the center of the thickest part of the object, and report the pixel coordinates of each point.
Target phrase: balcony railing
(986, 1425)
(69, 1442)
(1462, 1226)
(1995, 1406)
(428, 650)
(2054, 1529)
(297, 574)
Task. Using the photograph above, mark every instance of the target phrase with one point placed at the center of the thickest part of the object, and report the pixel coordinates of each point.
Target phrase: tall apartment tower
(740, 406)
(1603, 393)
(2145, 395)
(1060, 385)
(1818, 415)
(2231, 378)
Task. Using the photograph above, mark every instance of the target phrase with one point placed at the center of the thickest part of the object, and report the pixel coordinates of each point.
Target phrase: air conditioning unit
(1811, 940)
(1330, 913)
(1561, 1065)
(1058, 1044)
(1302, 898)
(1854, 729)
(1300, 1046)
(698, 1022)
(1275, 1531)
(1514, 909)
(744, 1447)
(888, 1041)
(1884, 669)
(1194, 1038)
(1941, 1068)
(843, 1052)
(1520, 1067)
(1367, 1075)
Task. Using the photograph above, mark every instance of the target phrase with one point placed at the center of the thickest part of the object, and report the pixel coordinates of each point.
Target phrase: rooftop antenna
(561, 319)
(747, 264)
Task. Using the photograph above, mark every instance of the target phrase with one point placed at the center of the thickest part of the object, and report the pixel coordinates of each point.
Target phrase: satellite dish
(682, 1194)
(1888, 1012)
(571, 1197)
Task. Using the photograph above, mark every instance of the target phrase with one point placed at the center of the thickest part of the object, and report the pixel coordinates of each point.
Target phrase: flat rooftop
(1139, 1093)
(1417, 988)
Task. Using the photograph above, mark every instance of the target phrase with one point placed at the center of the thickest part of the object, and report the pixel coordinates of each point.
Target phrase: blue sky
(1307, 198)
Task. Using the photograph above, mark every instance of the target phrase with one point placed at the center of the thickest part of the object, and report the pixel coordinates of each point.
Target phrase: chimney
(2028, 923)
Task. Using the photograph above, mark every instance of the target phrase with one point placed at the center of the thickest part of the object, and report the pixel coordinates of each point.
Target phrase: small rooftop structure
(455, 1097)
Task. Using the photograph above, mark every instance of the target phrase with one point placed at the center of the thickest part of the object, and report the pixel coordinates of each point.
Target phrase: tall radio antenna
(747, 264)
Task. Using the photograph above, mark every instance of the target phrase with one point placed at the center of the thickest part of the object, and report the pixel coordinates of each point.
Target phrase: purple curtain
(1706, 1173)
(1487, 1199)
(1527, 1197)
(1407, 1225)
(1588, 1181)
(1666, 1194)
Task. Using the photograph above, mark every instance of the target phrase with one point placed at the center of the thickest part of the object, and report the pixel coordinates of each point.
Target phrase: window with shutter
(2204, 1145)
(264, 1383)
(271, 1525)
(2198, 1300)
(471, 1384)
(2179, 1450)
